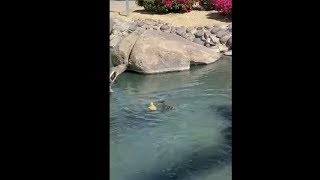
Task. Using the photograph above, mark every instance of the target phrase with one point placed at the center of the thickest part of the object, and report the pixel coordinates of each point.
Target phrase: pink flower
(225, 6)
(168, 3)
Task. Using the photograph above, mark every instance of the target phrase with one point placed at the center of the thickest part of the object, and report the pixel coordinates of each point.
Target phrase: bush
(165, 6)
(154, 6)
(224, 6)
(207, 4)
(182, 5)
(139, 2)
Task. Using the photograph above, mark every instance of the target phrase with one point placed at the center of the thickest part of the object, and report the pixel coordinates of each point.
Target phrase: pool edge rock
(209, 36)
(152, 47)
(159, 52)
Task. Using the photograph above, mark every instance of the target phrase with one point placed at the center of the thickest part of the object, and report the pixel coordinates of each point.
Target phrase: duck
(167, 107)
(152, 107)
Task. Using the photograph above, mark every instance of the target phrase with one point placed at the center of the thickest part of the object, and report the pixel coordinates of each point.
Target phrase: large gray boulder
(229, 43)
(158, 52)
(123, 49)
(111, 25)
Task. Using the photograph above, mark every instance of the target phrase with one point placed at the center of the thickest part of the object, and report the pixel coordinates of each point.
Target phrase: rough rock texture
(221, 33)
(189, 29)
(140, 23)
(152, 46)
(228, 53)
(207, 27)
(132, 27)
(111, 25)
(190, 36)
(229, 43)
(164, 27)
(120, 29)
(207, 36)
(225, 38)
(223, 48)
(215, 30)
(123, 49)
(157, 52)
(200, 33)
(214, 39)
(181, 30)
(173, 30)
(198, 41)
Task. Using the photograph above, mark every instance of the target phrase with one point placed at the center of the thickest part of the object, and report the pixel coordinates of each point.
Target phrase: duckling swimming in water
(165, 107)
(152, 107)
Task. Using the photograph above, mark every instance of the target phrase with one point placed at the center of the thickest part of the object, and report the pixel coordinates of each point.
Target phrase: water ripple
(194, 138)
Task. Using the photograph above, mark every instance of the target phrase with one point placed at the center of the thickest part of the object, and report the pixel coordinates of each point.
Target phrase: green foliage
(165, 6)
(207, 4)
(139, 2)
(154, 6)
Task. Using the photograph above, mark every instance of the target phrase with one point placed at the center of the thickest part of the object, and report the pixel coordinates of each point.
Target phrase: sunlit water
(190, 142)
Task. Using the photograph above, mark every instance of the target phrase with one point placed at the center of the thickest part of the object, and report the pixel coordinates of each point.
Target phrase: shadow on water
(201, 162)
(224, 111)
(191, 142)
(163, 82)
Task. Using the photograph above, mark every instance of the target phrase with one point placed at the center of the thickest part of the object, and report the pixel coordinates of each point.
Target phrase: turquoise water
(190, 142)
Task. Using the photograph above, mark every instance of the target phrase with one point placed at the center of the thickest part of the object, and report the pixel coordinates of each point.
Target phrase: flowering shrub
(184, 5)
(224, 6)
(207, 4)
(154, 6)
(139, 2)
(163, 6)
(166, 6)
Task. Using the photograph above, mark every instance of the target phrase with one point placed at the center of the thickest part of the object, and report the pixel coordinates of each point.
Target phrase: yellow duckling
(152, 107)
